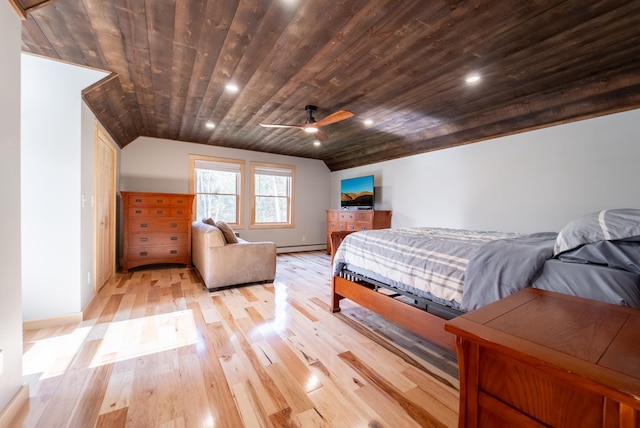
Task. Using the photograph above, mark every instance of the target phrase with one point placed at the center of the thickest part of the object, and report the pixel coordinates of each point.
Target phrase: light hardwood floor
(156, 350)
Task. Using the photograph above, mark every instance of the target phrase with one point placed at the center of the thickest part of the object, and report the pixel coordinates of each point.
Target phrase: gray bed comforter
(502, 267)
(463, 269)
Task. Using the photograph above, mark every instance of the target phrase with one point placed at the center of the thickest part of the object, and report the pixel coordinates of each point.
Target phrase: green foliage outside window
(272, 198)
(217, 195)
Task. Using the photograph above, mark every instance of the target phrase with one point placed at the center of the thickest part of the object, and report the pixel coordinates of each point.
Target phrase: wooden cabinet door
(105, 160)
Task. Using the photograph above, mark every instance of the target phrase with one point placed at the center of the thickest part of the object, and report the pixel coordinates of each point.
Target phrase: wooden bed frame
(416, 320)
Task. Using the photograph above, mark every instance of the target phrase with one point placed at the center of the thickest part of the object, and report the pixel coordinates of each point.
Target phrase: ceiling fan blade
(272, 125)
(320, 136)
(333, 118)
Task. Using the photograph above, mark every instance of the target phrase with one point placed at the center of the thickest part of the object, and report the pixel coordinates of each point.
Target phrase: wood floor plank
(120, 387)
(87, 354)
(193, 393)
(251, 411)
(263, 379)
(68, 392)
(110, 309)
(437, 410)
(218, 392)
(144, 391)
(390, 412)
(335, 410)
(265, 353)
(170, 409)
(124, 310)
(445, 392)
(157, 349)
(114, 419)
(291, 391)
(86, 411)
(248, 294)
(422, 416)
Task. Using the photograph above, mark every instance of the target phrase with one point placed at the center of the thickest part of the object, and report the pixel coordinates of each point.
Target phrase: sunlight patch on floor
(52, 356)
(143, 336)
(120, 340)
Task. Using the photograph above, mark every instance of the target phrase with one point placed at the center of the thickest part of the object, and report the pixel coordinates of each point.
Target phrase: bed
(420, 277)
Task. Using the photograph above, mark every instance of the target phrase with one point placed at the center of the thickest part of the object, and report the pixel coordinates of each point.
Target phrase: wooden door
(105, 197)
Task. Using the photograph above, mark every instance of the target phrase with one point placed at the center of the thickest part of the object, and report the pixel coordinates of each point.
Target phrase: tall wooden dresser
(354, 220)
(157, 228)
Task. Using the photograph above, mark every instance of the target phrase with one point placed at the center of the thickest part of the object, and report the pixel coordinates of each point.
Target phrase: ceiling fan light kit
(310, 125)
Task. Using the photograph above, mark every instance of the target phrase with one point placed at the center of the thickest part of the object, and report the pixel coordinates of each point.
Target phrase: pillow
(209, 220)
(606, 225)
(229, 236)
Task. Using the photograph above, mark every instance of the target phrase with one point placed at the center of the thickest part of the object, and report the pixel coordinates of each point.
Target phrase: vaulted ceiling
(400, 64)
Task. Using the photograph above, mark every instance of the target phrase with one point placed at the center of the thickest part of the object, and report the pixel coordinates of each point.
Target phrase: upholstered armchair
(231, 261)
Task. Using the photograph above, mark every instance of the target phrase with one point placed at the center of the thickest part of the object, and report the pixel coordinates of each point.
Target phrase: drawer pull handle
(173, 251)
(144, 239)
(180, 201)
(351, 227)
(174, 238)
(138, 200)
(174, 224)
(138, 211)
(363, 228)
(159, 212)
(143, 253)
(180, 212)
(159, 201)
(144, 225)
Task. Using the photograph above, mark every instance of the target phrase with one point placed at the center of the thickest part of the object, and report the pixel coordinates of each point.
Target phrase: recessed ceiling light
(232, 87)
(210, 125)
(368, 122)
(316, 143)
(473, 78)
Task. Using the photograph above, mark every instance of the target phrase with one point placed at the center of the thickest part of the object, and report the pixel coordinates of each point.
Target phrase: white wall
(528, 182)
(10, 303)
(158, 165)
(52, 171)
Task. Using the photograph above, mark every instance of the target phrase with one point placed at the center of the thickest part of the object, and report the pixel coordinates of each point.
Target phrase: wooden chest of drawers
(157, 228)
(352, 221)
(538, 358)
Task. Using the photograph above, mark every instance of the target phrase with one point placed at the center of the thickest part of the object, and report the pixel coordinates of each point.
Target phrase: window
(217, 184)
(272, 195)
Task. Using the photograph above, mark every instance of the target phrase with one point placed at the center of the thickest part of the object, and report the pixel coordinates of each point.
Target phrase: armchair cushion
(227, 231)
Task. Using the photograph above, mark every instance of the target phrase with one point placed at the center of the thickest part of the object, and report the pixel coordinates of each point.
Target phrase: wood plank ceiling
(401, 64)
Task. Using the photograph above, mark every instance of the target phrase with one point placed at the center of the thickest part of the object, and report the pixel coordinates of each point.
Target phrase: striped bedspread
(433, 262)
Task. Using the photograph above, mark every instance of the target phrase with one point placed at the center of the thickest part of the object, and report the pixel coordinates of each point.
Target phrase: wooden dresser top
(597, 341)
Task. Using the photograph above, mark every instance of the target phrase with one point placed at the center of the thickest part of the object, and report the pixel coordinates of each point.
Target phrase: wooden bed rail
(417, 321)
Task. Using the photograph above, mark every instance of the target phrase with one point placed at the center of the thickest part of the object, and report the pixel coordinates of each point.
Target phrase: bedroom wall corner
(10, 250)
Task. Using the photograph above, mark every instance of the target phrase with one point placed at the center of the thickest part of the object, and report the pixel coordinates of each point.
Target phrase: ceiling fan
(311, 125)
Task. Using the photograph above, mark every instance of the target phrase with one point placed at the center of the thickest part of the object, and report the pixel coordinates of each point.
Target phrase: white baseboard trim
(52, 322)
(8, 414)
(301, 248)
